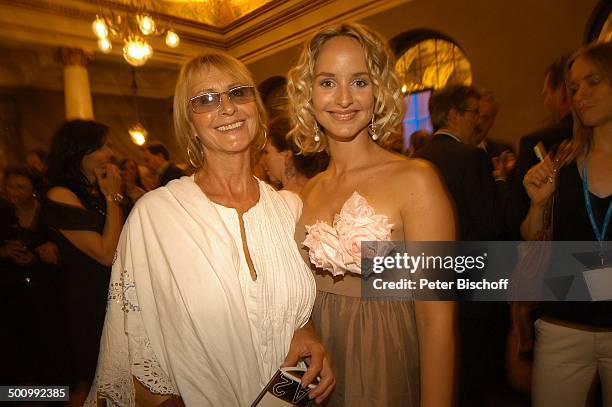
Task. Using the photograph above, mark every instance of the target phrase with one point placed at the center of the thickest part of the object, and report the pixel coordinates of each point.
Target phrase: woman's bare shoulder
(414, 170)
(64, 196)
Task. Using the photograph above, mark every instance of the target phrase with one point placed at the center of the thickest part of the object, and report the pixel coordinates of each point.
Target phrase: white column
(77, 93)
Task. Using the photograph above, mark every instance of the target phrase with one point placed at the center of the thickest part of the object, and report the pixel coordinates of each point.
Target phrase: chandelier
(133, 28)
(137, 131)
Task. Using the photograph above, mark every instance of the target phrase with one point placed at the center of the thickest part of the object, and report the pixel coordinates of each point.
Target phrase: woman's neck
(602, 139)
(349, 155)
(227, 175)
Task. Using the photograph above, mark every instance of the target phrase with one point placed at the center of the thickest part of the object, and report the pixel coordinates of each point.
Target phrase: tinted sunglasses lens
(205, 102)
(243, 94)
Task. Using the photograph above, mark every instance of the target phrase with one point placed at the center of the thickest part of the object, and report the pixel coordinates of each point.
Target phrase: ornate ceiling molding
(41, 26)
(67, 23)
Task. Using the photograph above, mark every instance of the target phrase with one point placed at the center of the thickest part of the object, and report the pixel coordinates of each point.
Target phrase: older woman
(574, 340)
(345, 98)
(209, 294)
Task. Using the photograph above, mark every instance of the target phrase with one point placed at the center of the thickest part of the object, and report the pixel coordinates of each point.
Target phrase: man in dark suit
(467, 173)
(555, 101)
(464, 167)
(157, 159)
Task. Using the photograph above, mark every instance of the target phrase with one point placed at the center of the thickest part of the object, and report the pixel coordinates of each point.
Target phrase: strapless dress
(373, 344)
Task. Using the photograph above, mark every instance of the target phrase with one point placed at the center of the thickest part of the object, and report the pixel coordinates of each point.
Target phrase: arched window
(426, 61)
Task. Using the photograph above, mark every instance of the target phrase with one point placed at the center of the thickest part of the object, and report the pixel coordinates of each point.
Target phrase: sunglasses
(211, 101)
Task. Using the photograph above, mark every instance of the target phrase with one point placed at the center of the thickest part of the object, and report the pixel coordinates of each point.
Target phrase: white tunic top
(184, 315)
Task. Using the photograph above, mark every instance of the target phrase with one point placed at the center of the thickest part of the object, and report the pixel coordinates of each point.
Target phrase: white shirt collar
(448, 133)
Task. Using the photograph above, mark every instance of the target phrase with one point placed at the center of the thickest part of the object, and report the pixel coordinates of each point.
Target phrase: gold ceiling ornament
(133, 27)
(219, 13)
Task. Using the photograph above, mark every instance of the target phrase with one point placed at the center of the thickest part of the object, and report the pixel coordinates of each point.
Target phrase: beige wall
(509, 43)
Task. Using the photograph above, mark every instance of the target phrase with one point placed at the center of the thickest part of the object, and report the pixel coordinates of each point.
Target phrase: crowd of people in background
(62, 214)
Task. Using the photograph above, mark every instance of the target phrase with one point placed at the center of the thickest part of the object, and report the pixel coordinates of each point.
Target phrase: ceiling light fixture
(137, 131)
(133, 28)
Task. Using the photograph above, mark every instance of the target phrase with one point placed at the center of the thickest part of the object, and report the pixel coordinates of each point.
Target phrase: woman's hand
(48, 252)
(13, 249)
(306, 343)
(109, 180)
(540, 182)
(25, 259)
(503, 165)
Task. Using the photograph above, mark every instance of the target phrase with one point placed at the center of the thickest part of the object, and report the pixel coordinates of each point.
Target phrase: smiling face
(590, 93)
(342, 93)
(233, 126)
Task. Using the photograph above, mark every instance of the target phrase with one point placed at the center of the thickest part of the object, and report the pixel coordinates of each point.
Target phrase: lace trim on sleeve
(125, 351)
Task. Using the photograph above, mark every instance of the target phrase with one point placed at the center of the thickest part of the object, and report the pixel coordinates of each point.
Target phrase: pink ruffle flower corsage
(337, 248)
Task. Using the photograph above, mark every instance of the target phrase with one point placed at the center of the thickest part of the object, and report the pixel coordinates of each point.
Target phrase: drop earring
(373, 130)
(317, 138)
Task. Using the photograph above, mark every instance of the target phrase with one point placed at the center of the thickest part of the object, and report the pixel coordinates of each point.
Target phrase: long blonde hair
(600, 55)
(388, 106)
(182, 111)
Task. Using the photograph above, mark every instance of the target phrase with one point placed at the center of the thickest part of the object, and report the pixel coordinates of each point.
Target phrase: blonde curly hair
(388, 101)
(183, 126)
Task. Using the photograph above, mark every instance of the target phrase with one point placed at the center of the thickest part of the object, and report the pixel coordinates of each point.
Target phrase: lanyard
(599, 234)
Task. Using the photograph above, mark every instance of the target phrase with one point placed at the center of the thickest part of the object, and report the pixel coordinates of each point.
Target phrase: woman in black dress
(83, 210)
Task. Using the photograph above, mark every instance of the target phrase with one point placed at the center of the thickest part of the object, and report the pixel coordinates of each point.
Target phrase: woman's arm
(436, 325)
(540, 183)
(428, 215)
(99, 247)
(144, 397)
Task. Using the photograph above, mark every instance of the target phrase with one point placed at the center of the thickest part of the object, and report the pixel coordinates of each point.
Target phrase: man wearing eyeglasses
(157, 159)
